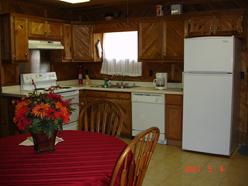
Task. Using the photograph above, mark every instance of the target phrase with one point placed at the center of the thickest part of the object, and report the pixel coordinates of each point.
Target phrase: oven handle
(69, 93)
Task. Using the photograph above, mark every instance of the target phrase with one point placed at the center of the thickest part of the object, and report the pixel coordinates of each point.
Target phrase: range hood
(48, 45)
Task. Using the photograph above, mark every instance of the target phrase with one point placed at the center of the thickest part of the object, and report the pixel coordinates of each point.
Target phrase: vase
(42, 143)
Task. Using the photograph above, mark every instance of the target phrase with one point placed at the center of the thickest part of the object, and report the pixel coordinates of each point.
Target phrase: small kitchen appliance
(161, 81)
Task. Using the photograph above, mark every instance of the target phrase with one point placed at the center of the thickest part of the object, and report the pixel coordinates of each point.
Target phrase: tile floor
(171, 166)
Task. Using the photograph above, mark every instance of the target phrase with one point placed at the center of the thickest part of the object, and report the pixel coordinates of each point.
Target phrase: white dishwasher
(148, 110)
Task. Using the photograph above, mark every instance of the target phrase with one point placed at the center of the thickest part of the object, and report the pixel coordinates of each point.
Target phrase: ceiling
(107, 3)
(92, 3)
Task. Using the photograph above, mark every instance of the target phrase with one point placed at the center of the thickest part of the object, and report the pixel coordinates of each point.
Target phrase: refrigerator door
(209, 54)
(207, 113)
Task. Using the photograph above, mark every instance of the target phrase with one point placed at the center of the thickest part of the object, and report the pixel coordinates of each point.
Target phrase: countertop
(141, 87)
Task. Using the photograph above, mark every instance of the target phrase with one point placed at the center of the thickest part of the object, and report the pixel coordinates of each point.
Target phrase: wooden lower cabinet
(122, 99)
(173, 119)
(7, 127)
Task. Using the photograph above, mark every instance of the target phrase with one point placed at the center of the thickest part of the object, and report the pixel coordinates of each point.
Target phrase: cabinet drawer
(173, 99)
(112, 95)
(118, 95)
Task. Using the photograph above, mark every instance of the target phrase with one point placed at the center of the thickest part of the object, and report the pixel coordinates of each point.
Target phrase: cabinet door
(9, 74)
(123, 100)
(37, 28)
(125, 105)
(151, 40)
(67, 42)
(53, 30)
(173, 123)
(7, 127)
(174, 36)
(82, 39)
(199, 26)
(20, 40)
(229, 24)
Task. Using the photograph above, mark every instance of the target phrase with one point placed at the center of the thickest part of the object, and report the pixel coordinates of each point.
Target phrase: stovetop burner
(57, 87)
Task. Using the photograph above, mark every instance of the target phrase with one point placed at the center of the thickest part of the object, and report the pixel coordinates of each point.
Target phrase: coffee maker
(161, 81)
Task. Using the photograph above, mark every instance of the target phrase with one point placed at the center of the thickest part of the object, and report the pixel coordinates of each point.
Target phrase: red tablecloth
(83, 158)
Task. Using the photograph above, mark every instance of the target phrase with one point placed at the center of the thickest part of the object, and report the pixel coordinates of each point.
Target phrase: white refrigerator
(210, 104)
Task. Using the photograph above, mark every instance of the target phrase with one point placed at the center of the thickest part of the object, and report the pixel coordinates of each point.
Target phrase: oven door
(74, 97)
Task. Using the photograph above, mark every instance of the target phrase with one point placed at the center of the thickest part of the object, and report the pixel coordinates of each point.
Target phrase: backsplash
(67, 71)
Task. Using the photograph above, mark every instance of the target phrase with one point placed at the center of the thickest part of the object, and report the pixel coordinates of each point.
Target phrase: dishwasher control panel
(148, 98)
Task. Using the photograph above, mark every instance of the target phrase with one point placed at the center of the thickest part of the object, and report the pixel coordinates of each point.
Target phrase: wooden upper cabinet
(199, 26)
(20, 39)
(82, 41)
(215, 24)
(229, 25)
(41, 29)
(37, 28)
(173, 39)
(54, 30)
(161, 40)
(14, 38)
(67, 42)
(151, 40)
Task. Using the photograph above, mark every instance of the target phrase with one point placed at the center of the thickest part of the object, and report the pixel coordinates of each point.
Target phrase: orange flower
(59, 105)
(41, 110)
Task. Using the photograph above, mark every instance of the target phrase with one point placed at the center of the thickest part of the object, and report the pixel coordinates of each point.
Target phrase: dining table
(82, 159)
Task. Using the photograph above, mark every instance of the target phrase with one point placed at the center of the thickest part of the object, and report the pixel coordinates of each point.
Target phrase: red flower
(50, 113)
(23, 123)
(54, 97)
(57, 115)
(20, 113)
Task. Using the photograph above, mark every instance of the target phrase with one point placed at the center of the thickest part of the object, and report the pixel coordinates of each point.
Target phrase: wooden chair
(101, 116)
(133, 163)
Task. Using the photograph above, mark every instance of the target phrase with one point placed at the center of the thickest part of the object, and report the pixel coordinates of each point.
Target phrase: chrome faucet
(122, 81)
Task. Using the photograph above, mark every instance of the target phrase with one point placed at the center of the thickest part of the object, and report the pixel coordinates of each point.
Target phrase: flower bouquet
(42, 115)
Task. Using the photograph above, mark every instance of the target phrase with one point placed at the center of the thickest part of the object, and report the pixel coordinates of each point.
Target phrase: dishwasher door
(148, 110)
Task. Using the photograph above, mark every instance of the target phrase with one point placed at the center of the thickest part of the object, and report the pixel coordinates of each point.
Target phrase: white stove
(42, 82)
(47, 82)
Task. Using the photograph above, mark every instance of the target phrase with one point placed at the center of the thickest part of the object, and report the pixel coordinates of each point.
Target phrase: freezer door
(209, 54)
(207, 113)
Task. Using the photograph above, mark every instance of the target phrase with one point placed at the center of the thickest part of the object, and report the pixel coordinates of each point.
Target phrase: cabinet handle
(83, 103)
(210, 28)
(216, 28)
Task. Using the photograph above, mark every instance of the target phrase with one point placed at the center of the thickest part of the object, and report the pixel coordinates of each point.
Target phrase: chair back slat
(104, 122)
(98, 121)
(101, 116)
(92, 120)
(135, 159)
(86, 124)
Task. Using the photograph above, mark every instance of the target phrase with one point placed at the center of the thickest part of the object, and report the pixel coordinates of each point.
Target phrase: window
(120, 54)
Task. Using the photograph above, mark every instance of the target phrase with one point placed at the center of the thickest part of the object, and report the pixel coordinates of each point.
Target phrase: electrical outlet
(242, 75)
(151, 72)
